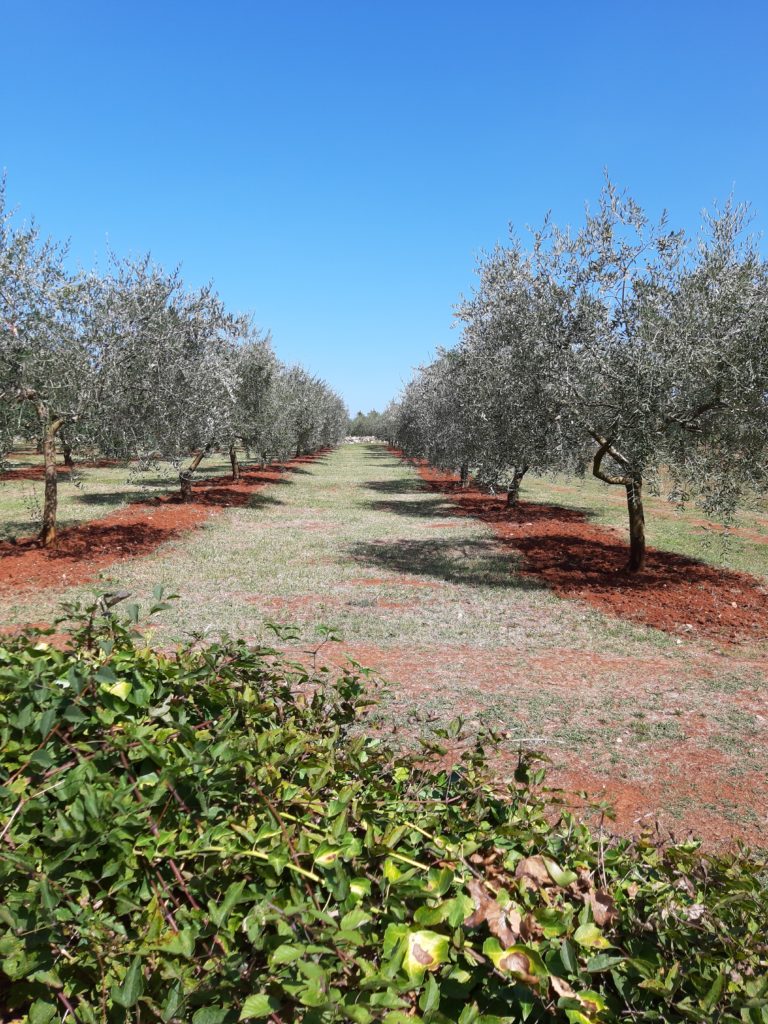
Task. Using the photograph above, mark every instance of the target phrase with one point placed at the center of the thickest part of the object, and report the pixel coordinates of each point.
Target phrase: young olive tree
(47, 379)
(256, 369)
(506, 398)
(655, 350)
(169, 372)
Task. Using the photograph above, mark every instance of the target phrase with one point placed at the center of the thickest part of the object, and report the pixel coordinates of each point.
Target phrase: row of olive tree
(624, 347)
(132, 364)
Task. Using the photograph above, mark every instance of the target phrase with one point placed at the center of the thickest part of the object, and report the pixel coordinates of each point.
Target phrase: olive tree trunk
(47, 533)
(513, 493)
(66, 451)
(632, 481)
(233, 462)
(464, 474)
(636, 524)
(186, 476)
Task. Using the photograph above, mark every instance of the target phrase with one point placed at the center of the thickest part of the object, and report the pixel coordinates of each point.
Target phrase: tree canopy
(133, 364)
(625, 346)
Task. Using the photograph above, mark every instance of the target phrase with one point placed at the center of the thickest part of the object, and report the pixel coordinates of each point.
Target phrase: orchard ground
(513, 620)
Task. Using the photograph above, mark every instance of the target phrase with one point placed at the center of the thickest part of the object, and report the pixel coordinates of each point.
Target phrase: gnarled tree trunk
(464, 474)
(186, 476)
(233, 462)
(632, 481)
(514, 488)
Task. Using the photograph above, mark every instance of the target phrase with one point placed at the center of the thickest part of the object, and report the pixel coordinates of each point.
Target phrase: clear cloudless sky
(337, 167)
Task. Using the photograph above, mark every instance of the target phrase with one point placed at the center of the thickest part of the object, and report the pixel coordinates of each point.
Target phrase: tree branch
(606, 448)
(689, 422)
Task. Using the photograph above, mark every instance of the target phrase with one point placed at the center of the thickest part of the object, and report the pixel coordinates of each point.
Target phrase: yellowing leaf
(121, 689)
(590, 936)
(425, 952)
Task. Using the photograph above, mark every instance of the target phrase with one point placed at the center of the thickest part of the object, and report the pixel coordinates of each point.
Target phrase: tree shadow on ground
(11, 530)
(377, 453)
(259, 500)
(413, 486)
(474, 563)
(81, 542)
(580, 559)
(429, 508)
(107, 498)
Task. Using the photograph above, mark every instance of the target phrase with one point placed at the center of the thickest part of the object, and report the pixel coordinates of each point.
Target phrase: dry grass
(355, 542)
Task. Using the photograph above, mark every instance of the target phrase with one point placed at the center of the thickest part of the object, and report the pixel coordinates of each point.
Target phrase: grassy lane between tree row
(663, 726)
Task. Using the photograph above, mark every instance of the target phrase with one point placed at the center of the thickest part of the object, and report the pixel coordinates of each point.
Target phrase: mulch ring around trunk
(81, 551)
(580, 560)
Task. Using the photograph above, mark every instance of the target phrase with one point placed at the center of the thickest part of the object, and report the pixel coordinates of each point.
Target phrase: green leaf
(603, 962)
(712, 997)
(210, 1015)
(128, 993)
(354, 919)
(257, 1006)
(430, 996)
(41, 1012)
(557, 874)
(231, 898)
(121, 690)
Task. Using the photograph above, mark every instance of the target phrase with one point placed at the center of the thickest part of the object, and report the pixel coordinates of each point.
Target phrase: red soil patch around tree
(82, 551)
(580, 560)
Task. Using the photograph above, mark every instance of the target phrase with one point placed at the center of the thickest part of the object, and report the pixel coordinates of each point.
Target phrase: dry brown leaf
(530, 929)
(421, 955)
(504, 924)
(533, 869)
(561, 986)
(603, 908)
(520, 965)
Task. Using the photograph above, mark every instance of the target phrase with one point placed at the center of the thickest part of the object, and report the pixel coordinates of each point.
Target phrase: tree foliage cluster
(209, 836)
(623, 346)
(132, 364)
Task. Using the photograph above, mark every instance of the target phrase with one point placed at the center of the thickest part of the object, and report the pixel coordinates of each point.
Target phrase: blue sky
(337, 167)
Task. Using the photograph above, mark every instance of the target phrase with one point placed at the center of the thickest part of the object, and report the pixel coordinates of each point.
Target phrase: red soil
(80, 552)
(38, 472)
(580, 560)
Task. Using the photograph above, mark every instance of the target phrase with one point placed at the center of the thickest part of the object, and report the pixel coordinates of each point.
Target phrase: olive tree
(655, 350)
(256, 368)
(47, 375)
(505, 391)
(623, 345)
(169, 371)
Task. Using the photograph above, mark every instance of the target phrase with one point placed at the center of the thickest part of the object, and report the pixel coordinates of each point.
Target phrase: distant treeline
(373, 424)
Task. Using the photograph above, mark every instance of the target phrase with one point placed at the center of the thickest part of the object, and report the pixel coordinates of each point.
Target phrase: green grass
(355, 541)
(88, 492)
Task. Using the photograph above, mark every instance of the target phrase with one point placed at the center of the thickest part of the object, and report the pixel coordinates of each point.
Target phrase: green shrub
(209, 836)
